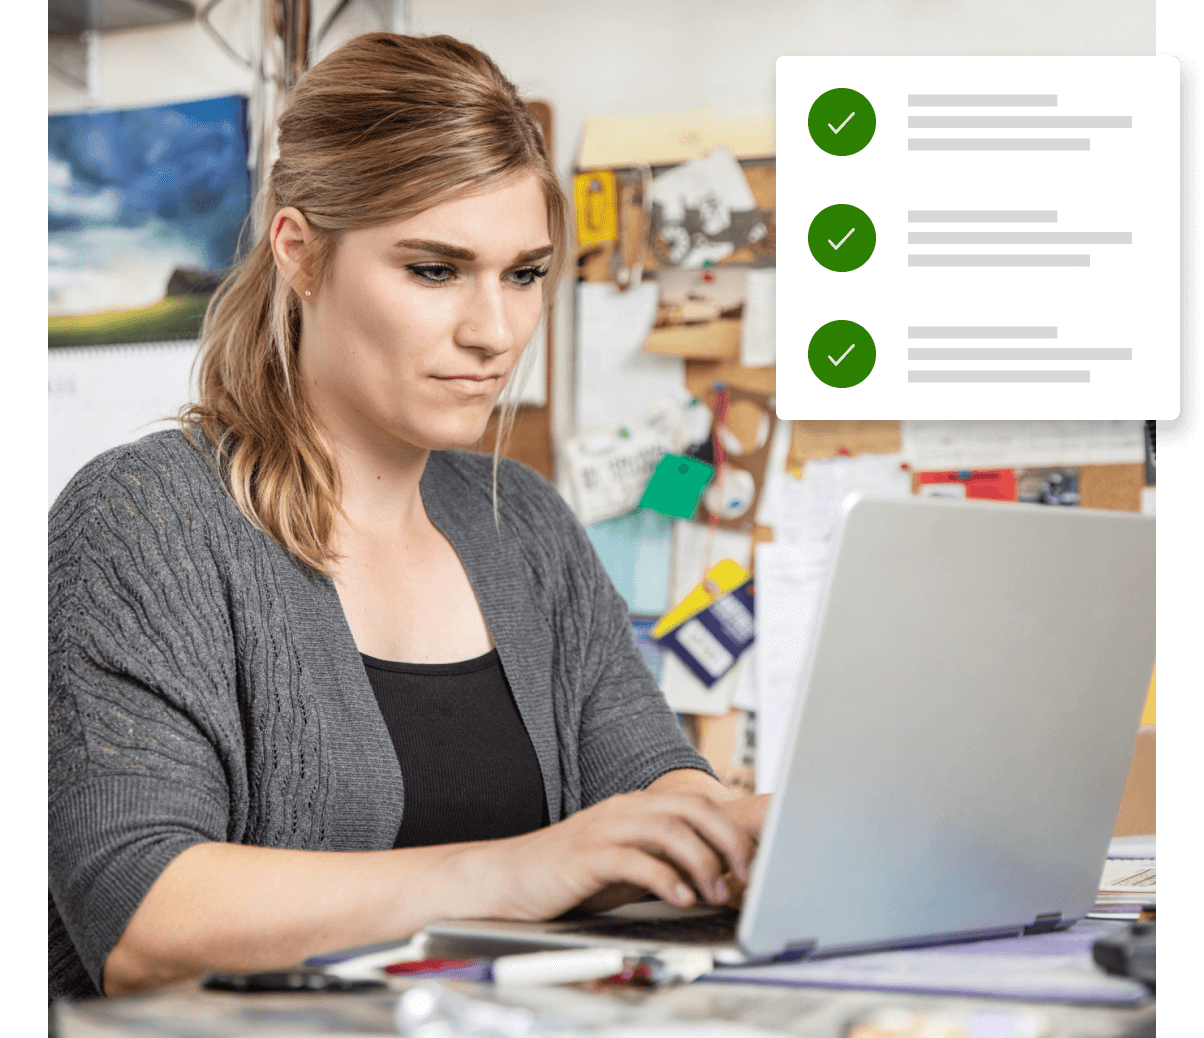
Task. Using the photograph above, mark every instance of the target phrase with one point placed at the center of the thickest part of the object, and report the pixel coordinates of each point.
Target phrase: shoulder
(525, 499)
(152, 463)
(162, 485)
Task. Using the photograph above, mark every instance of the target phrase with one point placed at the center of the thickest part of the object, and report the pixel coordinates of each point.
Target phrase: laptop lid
(963, 727)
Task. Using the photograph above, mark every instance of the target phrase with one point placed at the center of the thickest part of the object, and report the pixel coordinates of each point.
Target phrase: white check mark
(842, 356)
(838, 244)
(837, 129)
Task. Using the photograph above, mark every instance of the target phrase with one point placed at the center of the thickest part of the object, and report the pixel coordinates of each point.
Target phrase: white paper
(1130, 876)
(758, 329)
(998, 445)
(104, 396)
(744, 696)
(807, 509)
(685, 694)
(1149, 500)
(714, 188)
(789, 583)
(616, 379)
(607, 470)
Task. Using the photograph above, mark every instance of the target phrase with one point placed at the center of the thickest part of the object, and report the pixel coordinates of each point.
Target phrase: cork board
(1115, 487)
(810, 440)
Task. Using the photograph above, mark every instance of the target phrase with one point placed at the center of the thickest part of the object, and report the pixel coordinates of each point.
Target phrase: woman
(316, 677)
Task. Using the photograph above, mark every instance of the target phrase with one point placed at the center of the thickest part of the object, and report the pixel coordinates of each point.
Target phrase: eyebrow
(440, 248)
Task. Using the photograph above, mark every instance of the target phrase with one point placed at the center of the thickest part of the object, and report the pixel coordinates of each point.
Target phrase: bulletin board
(1102, 470)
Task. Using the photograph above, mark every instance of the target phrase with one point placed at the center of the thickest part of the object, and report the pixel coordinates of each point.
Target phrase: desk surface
(184, 1011)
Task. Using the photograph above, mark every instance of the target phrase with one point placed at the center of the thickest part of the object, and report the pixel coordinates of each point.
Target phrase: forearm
(226, 906)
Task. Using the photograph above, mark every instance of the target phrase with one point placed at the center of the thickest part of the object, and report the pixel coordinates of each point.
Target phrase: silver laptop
(959, 743)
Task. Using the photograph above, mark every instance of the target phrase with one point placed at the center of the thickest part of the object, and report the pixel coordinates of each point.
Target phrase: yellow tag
(722, 577)
(1150, 713)
(597, 207)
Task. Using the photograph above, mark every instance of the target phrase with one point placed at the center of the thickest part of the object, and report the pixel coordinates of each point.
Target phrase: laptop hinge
(795, 951)
(1044, 923)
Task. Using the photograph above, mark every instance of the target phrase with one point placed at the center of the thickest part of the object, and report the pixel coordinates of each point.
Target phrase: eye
(527, 276)
(436, 273)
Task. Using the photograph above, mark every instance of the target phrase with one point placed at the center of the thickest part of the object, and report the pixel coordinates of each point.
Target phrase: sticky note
(676, 485)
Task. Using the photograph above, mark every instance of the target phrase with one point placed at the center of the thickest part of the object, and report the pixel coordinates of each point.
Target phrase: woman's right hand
(675, 845)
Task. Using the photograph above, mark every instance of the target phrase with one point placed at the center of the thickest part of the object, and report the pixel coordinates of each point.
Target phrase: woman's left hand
(747, 812)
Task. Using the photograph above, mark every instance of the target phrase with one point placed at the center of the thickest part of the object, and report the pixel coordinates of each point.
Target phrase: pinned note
(676, 485)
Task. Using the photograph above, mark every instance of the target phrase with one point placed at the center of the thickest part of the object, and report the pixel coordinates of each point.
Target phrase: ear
(291, 238)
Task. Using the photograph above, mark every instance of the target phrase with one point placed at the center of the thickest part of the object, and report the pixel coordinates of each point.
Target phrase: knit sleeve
(627, 735)
(141, 758)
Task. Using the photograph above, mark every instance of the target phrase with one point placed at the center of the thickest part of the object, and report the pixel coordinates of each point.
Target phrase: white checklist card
(978, 238)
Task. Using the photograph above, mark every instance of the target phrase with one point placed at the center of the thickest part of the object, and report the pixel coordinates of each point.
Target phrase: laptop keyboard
(719, 928)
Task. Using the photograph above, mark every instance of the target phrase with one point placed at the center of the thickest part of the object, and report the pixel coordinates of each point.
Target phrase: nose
(486, 324)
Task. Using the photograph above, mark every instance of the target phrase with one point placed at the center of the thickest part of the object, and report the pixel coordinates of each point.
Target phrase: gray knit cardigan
(204, 685)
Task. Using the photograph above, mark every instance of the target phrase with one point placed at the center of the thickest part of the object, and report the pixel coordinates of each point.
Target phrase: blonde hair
(380, 130)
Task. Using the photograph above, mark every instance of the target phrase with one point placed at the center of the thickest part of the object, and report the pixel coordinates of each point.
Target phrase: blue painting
(146, 208)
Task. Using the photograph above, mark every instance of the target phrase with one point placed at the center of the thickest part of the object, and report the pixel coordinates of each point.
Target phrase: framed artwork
(146, 206)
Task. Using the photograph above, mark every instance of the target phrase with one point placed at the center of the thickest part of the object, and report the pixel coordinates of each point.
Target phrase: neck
(379, 484)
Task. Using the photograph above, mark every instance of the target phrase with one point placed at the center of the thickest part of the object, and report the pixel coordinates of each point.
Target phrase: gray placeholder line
(967, 260)
(999, 376)
(1020, 238)
(982, 100)
(1019, 122)
(998, 144)
(954, 331)
(982, 216)
(1016, 353)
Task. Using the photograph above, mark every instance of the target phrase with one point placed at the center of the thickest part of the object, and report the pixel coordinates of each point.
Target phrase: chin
(448, 432)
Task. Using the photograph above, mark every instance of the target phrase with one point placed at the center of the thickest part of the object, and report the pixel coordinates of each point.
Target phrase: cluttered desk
(934, 876)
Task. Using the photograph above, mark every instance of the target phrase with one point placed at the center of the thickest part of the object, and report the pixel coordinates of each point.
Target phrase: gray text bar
(982, 100)
(982, 216)
(1020, 238)
(999, 144)
(1019, 122)
(940, 260)
(950, 331)
(999, 376)
(1016, 353)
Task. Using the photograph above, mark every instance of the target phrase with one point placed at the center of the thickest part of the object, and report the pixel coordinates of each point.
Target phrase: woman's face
(418, 326)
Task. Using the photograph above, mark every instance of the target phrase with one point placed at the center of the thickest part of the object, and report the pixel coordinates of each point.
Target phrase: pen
(548, 967)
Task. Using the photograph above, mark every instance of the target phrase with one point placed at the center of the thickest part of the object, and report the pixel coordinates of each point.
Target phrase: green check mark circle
(842, 121)
(841, 237)
(841, 354)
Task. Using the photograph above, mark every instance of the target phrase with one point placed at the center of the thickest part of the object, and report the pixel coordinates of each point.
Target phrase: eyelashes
(440, 273)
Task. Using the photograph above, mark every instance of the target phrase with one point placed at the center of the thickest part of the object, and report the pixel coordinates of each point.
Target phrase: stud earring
(307, 292)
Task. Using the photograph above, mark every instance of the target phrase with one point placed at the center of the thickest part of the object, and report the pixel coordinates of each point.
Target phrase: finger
(730, 841)
(680, 844)
(632, 865)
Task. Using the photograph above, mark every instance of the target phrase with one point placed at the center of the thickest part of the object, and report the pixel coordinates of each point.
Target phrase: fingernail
(721, 891)
(683, 892)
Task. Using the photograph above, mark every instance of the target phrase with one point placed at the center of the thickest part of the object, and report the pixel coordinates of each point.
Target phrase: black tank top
(467, 762)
